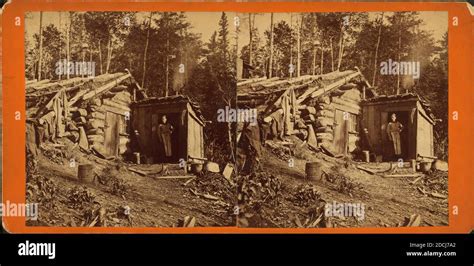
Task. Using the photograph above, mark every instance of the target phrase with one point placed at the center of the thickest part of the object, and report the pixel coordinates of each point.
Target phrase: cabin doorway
(158, 152)
(388, 149)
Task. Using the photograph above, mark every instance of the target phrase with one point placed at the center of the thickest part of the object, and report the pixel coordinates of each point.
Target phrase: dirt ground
(388, 201)
(66, 201)
(210, 198)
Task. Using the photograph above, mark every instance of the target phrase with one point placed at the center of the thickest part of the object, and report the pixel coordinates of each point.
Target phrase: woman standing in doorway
(393, 129)
(164, 132)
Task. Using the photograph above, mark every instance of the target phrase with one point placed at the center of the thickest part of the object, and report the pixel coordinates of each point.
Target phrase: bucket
(425, 167)
(196, 168)
(85, 173)
(313, 171)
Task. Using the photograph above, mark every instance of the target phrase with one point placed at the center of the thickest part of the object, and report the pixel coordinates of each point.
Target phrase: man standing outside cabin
(164, 132)
(393, 129)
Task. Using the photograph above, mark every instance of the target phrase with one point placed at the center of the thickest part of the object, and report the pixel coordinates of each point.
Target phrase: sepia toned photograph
(122, 118)
(351, 126)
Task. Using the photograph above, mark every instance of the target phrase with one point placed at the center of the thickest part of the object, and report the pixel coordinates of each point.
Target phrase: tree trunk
(322, 56)
(167, 68)
(60, 47)
(399, 53)
(291, 47)
(298, 48)
(90, 55)
(270, 61)
(40, 60)
(313, 34)
(341, 47)
(377, 50)
(146, 49)
(68, 44)
(250, 39)
(109, 54)
(313, 72)
(100, 57)
(332, 54)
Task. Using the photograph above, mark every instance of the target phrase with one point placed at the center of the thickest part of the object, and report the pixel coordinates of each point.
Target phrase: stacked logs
(91, 116)
(324, 120)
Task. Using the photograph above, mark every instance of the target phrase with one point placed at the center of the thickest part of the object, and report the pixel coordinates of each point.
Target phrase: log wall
(324, 119)
(92, 117)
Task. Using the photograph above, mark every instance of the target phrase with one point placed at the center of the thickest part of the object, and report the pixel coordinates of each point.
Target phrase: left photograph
(123, 118)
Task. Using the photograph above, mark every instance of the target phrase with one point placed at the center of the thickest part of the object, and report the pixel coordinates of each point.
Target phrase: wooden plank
(105, 87)
(249, 81)
(346, 137)
(114, 110)
(125, 108)
(318, 92)
(354, 108)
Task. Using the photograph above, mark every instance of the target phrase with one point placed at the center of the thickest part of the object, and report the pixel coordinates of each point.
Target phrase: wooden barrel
(313, 171)
(85, 173)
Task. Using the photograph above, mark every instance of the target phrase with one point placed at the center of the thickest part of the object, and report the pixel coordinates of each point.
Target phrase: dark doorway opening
(158, 148)
(402, 118)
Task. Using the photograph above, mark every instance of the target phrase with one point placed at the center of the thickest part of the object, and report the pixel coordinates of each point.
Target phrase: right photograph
(351, 126)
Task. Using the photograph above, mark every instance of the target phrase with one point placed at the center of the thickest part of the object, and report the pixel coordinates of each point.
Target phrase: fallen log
(174, 177)
(249, 81)
(403, 175)
(140, 172)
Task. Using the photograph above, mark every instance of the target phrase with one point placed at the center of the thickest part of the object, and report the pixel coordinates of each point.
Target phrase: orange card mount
(118, 117)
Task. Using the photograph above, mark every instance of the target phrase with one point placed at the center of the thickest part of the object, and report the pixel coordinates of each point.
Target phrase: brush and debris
(433, 184)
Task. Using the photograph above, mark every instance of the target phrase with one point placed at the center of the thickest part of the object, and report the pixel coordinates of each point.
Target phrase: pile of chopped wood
(281, 151)
(434, 184)
(216, 185)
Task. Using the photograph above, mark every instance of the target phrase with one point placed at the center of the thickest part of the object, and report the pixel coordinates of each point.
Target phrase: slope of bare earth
(387, 202)
(66, 201)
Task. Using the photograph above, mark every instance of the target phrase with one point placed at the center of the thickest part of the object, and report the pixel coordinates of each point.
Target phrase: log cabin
(324, 110)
